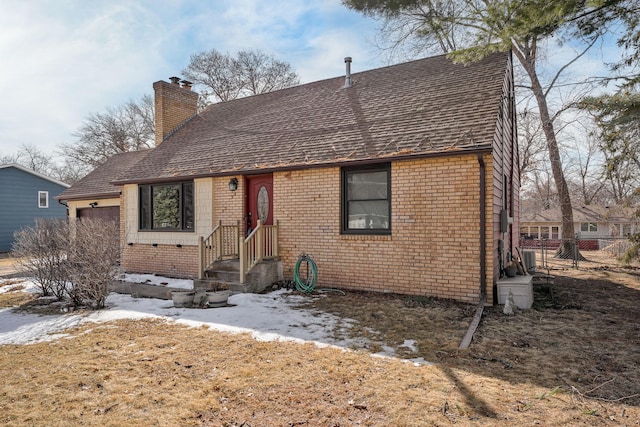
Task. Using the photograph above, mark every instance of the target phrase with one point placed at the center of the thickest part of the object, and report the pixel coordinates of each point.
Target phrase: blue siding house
(25, 196)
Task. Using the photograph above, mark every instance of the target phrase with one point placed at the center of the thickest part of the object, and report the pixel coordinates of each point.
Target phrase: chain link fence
(592, 252)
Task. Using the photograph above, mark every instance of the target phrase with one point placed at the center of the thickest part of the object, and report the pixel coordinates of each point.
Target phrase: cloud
(67, 59)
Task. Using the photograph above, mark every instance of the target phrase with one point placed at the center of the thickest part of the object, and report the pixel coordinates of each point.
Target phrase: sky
(65, 59)
(245, 313)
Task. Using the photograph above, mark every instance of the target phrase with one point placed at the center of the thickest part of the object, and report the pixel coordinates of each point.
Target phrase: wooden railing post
(201, 258)
(239, 238)
(259, 242)
(275, 239)
(217, 254)
(243, 260)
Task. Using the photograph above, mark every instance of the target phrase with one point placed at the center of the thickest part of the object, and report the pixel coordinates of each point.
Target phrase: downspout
(483, 229)
(466, 341)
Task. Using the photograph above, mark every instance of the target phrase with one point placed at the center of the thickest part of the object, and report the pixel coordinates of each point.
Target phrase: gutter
(328, 164)
(113, 195)
(483, 229)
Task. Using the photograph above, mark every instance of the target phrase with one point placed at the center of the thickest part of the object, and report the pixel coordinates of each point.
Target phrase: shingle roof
(590, 213)
(417, 108)
(32, 172)
(97, 184)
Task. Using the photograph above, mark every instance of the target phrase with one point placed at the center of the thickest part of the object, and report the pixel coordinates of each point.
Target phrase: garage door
(111, 213)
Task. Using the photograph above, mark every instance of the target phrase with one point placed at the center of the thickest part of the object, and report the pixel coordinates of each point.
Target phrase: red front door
(259, 201)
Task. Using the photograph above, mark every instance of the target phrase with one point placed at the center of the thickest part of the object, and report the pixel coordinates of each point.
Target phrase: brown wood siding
(505, 164)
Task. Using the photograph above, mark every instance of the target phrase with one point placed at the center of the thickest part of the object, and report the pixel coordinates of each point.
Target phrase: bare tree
(30, 157)
(261, 73)
(531, 145)
(68, 170)
(216, 72)
(129, 127)
(33, 158)
(586, 180)
(251, 72)
(622, 171)
(469, 30)
(540, 193)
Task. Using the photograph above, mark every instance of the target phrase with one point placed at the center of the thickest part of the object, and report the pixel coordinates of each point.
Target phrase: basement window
(366, 200)
(166, 207)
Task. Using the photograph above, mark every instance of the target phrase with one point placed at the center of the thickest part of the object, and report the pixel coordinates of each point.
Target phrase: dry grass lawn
(572, 360)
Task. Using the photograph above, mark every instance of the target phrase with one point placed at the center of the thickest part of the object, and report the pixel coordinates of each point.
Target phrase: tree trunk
(567, 249)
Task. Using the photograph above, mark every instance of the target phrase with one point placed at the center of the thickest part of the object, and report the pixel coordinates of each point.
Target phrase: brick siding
(165, 260)
(433, 249)
(173, 106)
(434, 246)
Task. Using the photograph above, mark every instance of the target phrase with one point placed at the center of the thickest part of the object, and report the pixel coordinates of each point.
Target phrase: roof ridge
(32, 172)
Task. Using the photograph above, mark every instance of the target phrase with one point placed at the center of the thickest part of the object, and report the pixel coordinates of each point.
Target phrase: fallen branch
(602, 399)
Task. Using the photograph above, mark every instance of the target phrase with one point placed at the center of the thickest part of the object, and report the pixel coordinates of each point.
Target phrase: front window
(555, 233)
(544, 232)
(589, 227)
(43, 199)
(366, 200)
(167, 207)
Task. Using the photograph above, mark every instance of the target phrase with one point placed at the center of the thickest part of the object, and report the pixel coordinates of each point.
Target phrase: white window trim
(46, 205)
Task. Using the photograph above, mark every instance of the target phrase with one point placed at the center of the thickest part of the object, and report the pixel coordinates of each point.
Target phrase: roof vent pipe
(347, 79)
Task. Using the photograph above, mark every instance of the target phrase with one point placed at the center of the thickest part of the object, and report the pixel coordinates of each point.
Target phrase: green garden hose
(309, 283)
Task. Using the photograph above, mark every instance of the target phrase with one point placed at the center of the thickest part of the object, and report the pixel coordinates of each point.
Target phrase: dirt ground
(573, 359)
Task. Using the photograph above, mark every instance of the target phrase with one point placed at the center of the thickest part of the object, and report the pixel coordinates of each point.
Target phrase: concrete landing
(142, 290)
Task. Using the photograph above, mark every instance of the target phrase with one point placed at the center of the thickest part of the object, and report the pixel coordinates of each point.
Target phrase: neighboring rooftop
(589, 213)
(97, 184)
(32, 172)
(419, 108)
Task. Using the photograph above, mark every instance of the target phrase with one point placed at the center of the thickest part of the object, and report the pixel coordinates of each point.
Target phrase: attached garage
(94, 196)
(109, 213)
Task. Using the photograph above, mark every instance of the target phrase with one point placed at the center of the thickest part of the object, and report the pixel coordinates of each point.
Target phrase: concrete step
(225, 265)
(223, 275)
(215, 284)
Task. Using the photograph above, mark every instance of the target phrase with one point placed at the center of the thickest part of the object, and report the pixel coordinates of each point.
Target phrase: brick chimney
(174, 104)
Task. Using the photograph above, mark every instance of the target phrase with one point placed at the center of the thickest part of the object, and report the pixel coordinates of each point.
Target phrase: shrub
(41, 252)
(93, 258)
(76, 262)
